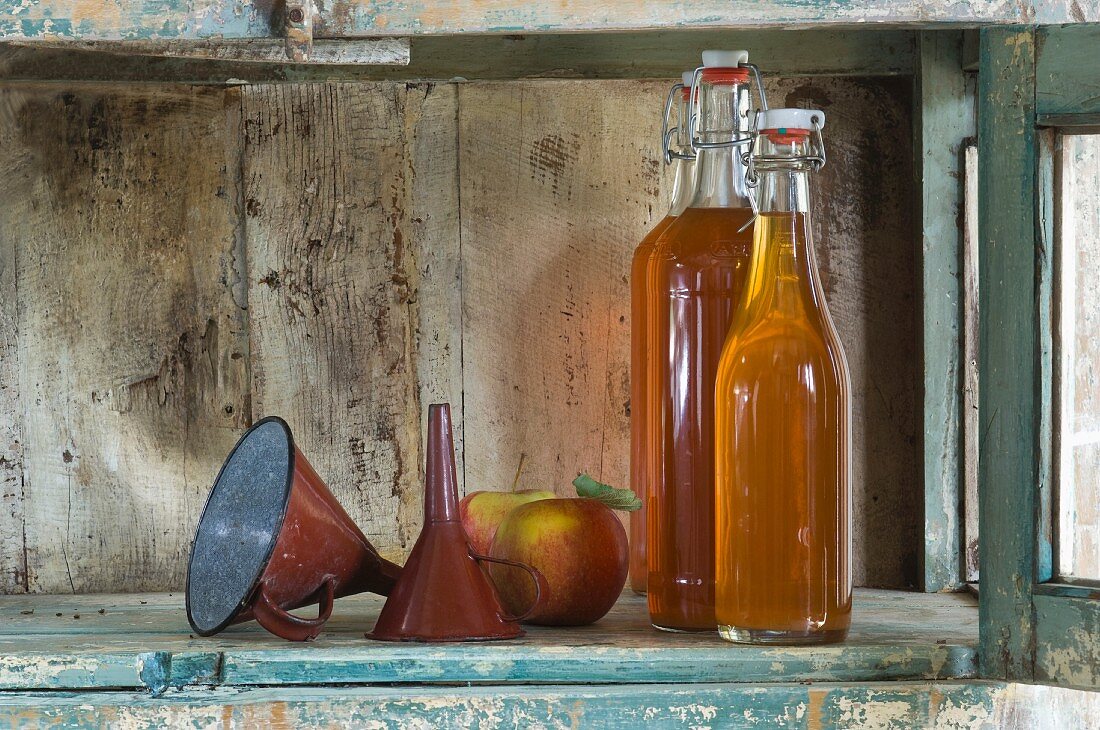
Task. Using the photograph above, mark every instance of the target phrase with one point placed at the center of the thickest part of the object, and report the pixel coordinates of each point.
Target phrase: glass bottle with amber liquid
(679, 155)
(694, 282)
(783, 418)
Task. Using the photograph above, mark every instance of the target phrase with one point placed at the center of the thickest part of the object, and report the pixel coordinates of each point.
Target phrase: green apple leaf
(620, 499)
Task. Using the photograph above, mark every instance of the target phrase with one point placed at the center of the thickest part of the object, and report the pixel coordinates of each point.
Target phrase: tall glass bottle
(783, 405)
(677, 153)
(694, 281)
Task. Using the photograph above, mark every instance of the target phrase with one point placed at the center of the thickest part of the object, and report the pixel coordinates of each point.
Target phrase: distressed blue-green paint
(1067, 92)
(1066, 75)
(133, 19)
(1028, 630)
(1008, 449)
(189, 668)
(144, 641)
(1083, 589)
(155, 667)
(944, 118)
(172, 19)
(391, 16)
(594, 665)
(91, 670)
(1067, 638)
(948, 706)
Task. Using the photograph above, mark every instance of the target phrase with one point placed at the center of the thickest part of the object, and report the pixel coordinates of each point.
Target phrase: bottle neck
(683, 186)
(683, 171)
(783, 174)
(783, 190)
(723, 117)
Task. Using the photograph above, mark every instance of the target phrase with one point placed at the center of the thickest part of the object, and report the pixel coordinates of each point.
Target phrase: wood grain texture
(1009, 454)
(971, 421)
(944, 119)
(1067, 640)
(352, 52)
(638, 54)
(1065, 75)
(143, 640)
(560, 180)
(134, 369)
(943, 705)
(196, 19)
(1042, 707)
(334, 275)
(13, 557)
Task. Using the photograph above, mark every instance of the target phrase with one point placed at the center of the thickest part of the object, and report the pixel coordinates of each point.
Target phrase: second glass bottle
(694, 282)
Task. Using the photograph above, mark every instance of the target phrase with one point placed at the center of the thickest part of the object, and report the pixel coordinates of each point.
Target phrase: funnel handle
(288, 626)
(542, 588)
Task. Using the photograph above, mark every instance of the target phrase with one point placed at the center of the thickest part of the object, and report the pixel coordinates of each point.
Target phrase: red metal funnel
(273, 538)
(443, 594)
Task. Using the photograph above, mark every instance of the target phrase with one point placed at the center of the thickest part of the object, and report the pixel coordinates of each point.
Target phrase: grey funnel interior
(239, 525)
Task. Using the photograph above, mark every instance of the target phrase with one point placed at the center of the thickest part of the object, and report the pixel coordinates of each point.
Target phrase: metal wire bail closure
(745, 138)
(668, 131)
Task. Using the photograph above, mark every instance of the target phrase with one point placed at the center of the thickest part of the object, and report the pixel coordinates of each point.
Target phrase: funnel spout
(441, 489)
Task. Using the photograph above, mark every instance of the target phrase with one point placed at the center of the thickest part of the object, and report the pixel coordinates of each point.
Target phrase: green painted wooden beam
(1009, 455)
(1067, 640)
(1066, 75)
(947, 705)
(143, 641)
(944, 118)
(175, 19)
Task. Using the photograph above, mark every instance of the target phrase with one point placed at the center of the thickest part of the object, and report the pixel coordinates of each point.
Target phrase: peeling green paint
(895, 636)
(197, 19)
(1009, 457)
(948, 706)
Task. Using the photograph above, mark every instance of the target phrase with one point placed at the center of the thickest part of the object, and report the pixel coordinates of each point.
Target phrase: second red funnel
(443, 594)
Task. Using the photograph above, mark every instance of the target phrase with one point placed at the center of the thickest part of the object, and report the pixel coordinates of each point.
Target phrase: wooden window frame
(1031, 80)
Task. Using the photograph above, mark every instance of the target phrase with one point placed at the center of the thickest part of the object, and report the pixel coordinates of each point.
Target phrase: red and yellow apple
(482, 512)
(580, 547)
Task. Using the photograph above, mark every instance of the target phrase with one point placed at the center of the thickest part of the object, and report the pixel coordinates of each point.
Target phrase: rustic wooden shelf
(143, 642)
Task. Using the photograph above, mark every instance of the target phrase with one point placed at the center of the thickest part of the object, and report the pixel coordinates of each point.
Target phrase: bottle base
(681, 630)
(764, 636)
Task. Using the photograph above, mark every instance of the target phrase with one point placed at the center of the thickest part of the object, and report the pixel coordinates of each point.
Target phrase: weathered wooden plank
(138, 19)
(1042, 707)
(144, 640)
(560, 180)
(642, 54)
(1067, 639)
(357, 51)
(1008, 304)
(434, 236)
(334, 273)
(971, 421)
(1048, 438)
(13, 556)
(134, 19)
(1065, 76)
(944, 705)
(944, 119)
(122, 205)
(624, 648)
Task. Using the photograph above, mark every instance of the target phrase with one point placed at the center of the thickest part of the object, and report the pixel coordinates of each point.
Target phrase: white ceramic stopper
(790, 119)
(724, 59)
